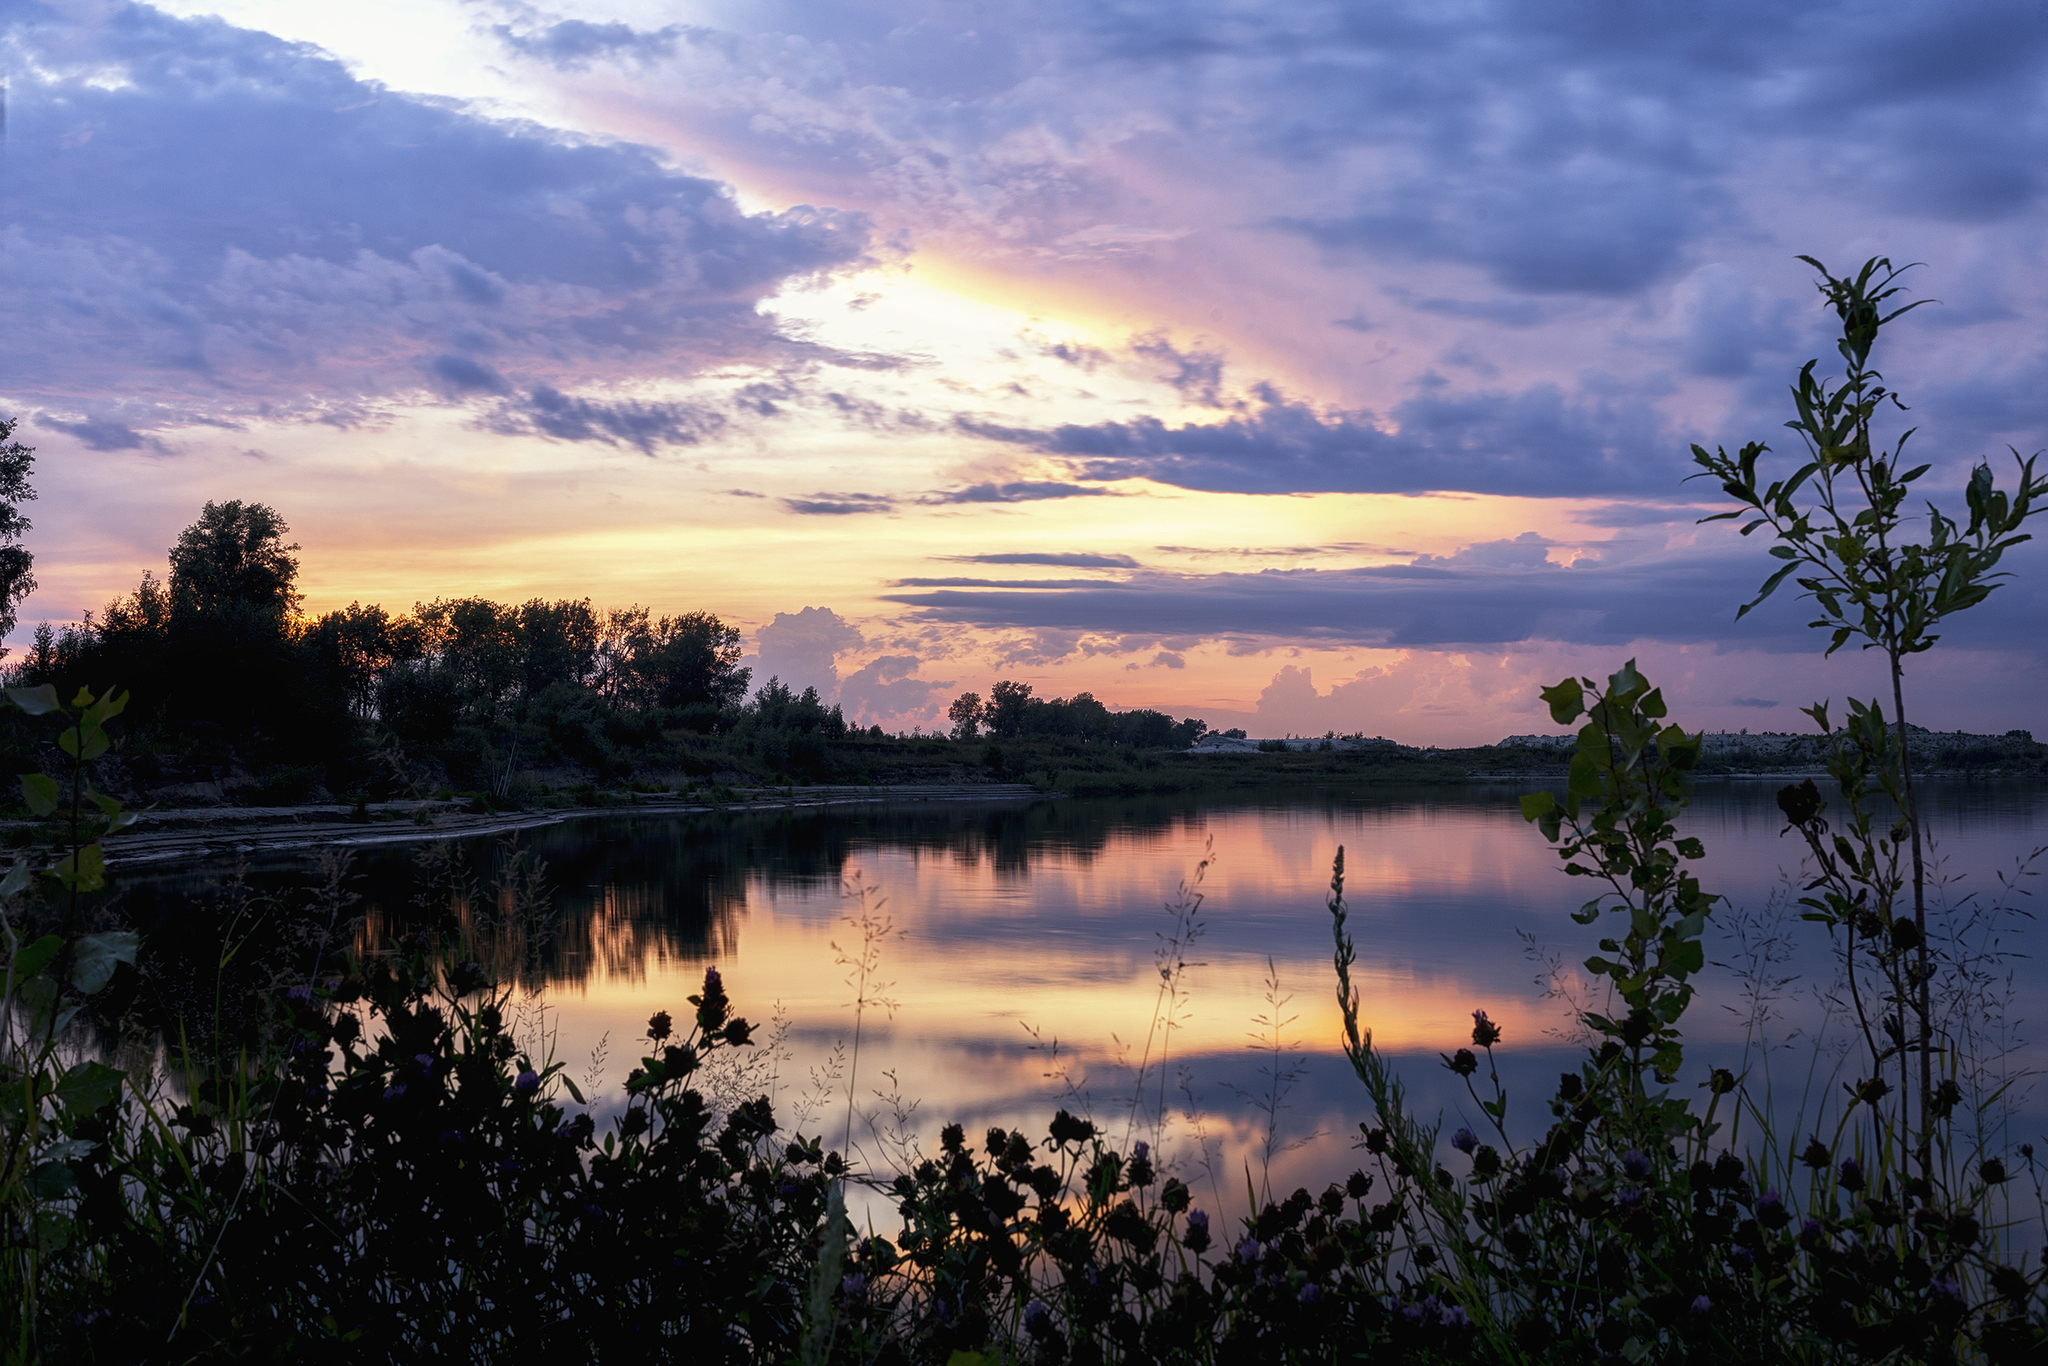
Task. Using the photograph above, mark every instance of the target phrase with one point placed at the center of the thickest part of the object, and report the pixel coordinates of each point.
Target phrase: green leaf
(39, 790)
(1587, 913)
(1567, 701)
(95, 956)
(36, 701)
(1687, 958)
(51, 1181)
(85, 871)
(95, 743)
(1537, 804)
(570, 1085)
(18, 877)
(36, 957)
(89, 1086)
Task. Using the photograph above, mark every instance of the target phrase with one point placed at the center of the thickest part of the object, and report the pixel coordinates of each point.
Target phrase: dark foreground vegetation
(382, 1167)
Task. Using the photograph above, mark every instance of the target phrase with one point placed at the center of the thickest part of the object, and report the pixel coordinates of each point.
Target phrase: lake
(1021, 962)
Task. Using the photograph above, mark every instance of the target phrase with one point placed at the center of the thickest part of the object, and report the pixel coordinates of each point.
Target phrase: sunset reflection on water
(1043, 921)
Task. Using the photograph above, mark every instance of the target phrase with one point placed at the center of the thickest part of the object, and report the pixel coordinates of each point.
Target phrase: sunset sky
(1296, 366)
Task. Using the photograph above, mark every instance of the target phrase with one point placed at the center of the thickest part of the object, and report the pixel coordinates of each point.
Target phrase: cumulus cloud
(886, 691)
(802, 648)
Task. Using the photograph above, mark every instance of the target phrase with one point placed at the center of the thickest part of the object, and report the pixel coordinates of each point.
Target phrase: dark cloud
(551, 413)
(1027, 491)
(997, 583)
(839, 504)
(1062, 559)
(572, 44)
(213, 217)
(1689, 596)
(1196, 376)
(1762, 703)
(1537, 441)
(99, 434)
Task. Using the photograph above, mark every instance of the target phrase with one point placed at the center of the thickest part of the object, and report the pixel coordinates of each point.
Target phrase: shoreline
(199, 833)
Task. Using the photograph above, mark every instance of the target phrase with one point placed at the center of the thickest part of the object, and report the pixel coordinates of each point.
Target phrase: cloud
(1026, 491)
(549, 412)
(839, 504)
(101, 435)
(572, 44)
(884, 691)
(1537, 441)
(1490, 595)
(801, 648)
(1062, 559)
(248, 227)
(1758, 702)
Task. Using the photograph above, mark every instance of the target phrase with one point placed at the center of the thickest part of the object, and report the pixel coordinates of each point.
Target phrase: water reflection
(1048, 914)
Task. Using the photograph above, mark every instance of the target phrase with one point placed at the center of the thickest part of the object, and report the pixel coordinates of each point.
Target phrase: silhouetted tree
(965, 714)
(233, 557)
(16, 560)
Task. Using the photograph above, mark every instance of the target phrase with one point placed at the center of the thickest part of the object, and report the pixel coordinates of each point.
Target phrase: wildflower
(425, 1061)
(1721, 1081)
(1810, 1231)
(1701, 1306)
(1310, 1293)
(1037, 1319)
(1570, 1086)
(1462, 1062)
(1991, 1171)
(1248, 1250)
(299, 994)
(1140, 1170)
(1375, 1140)
(854, 1287)
(1455, 1318)
(1357, 1185)
(1852, 1175)
(1770, 1210)
(394, 1092)
(1816, 1155)
(1742, 1256)
(1636, 1164)
(1198, 1230)
(528, 1081)
(1949, 1287)
(660, 1026)
(1485, 1033)
(1464, 1140)
(714, 985)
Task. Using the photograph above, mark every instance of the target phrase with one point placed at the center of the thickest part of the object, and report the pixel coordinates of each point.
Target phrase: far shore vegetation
(551, 704)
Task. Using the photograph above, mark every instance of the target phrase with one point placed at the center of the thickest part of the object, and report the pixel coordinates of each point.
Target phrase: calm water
(1042, 921)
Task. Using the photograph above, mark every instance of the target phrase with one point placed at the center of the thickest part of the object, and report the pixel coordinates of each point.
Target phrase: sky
(1301, 367)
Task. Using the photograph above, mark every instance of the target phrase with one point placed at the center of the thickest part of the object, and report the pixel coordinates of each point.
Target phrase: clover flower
(1037, 1319)
(1636, 1163)
(1464, 1140)
(1701, 1306)
(1198, 1230)
(1852, 1174)
(1310, 1293)
(528, 1081)
(394, 1092)
(1455, 1318)
(854, 1287)
(1485, 1033)
(299, 994)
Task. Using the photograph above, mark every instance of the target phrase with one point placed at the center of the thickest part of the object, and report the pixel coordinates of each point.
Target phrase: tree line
(224, 665)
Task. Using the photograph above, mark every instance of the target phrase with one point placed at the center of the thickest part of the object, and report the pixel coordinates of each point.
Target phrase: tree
(965, 714)
(16, 561)
(233, 557)
(1008, 702)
